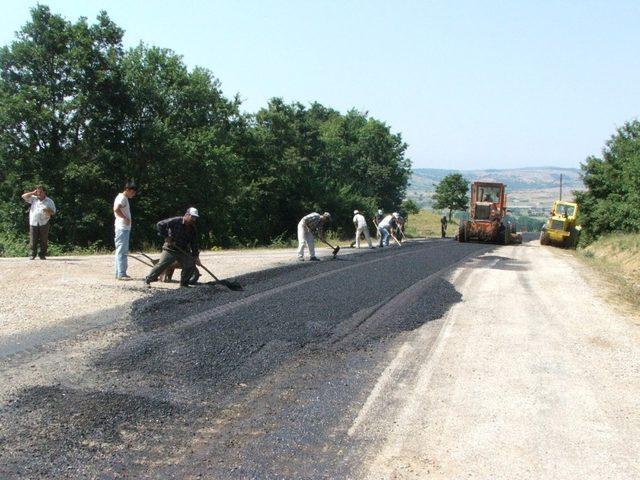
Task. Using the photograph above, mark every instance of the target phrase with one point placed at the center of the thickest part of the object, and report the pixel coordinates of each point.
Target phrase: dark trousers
(39, 237)
(443, 229)
(167, 258)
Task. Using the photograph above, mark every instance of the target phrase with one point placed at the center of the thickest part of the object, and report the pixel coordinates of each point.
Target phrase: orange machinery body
(487, 211)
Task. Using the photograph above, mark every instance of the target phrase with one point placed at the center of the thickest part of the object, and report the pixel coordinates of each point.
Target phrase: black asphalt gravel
(209, 383)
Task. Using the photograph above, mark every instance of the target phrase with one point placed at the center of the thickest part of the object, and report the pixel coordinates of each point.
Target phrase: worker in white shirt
(41, 210)
(384, 227)
(361, 228)
(122, 227)
(310, 225)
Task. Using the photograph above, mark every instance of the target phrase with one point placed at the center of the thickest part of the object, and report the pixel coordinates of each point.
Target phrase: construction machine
(561, 229)
(488, 217)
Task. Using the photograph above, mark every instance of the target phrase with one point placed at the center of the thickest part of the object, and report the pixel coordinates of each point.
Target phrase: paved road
(317, 371)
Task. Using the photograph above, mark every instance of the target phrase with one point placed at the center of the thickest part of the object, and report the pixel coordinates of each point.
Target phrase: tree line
(80, 114)
(611, 202)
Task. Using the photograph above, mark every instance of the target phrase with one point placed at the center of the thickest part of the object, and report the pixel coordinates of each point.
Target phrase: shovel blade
(235, 286)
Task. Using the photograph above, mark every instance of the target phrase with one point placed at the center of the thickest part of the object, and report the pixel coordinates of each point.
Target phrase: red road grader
(488, 219)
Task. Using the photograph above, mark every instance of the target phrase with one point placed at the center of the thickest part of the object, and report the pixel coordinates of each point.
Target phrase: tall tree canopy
(81, 115)
(612, 199)
(451, 193)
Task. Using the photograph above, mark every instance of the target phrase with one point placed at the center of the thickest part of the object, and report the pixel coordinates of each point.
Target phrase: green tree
(451, 193)
(60, 112)
(612, 199)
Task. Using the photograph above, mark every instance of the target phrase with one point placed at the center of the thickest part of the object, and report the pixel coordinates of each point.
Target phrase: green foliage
(611, 202)
(451, 193)
(82, 115)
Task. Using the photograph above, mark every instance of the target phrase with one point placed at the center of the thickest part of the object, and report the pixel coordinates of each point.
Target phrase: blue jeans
(384, 237)
(122, 249)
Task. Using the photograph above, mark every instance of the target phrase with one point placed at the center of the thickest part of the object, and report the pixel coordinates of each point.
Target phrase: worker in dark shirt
(180, 245)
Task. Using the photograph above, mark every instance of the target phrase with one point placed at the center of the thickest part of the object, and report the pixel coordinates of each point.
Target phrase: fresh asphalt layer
(205, 382)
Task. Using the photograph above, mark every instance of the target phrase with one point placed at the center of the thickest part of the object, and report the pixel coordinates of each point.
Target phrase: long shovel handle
(140, 260)
(148, 257)
(226, 283)
(394, 237)
(210, 273)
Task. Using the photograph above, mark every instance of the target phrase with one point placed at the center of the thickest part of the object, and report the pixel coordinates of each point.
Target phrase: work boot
(314, 259)
(146, 283)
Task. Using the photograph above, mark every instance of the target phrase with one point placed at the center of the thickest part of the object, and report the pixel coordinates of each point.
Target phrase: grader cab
(561, 229)
(489, 221)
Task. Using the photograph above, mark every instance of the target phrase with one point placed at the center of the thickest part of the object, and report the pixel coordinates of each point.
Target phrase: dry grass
(617, 256)
(427, 224)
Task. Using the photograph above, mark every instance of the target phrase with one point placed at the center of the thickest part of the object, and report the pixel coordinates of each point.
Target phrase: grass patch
(617, 257)
(427, 224)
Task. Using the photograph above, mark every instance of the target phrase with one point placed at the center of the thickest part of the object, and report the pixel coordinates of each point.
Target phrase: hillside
(536, 187)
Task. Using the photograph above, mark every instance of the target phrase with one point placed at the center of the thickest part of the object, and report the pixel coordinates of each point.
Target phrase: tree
(612, 199)
(451, 193)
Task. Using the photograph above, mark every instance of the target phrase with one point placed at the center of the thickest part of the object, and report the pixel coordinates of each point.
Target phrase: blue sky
(469, 84)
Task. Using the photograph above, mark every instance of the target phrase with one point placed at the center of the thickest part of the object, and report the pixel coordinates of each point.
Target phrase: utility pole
(560, 186)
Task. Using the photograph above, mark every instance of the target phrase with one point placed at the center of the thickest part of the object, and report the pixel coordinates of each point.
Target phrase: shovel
(336, 249)
(140, 260)
(231, 285)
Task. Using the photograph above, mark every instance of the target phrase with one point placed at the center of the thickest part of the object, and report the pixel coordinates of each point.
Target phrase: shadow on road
(281, 377)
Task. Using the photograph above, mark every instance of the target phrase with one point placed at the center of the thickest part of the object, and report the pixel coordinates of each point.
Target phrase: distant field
(535, 187)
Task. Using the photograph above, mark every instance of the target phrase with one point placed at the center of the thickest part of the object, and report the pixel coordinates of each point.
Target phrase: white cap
(396, 214)
(380, 211)
(327, 214)
(355, 212)
(193, 212)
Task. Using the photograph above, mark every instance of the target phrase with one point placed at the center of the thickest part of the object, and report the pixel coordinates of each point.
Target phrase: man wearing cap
(310, 225)
(122, 227)
(180, 245)
(41, 210)
(361, 228)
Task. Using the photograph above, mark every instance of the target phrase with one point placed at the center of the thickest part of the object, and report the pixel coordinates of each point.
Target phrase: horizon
(468, 86)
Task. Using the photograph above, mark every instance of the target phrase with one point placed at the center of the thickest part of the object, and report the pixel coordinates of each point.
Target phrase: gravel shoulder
(533, 376)
(37, 295)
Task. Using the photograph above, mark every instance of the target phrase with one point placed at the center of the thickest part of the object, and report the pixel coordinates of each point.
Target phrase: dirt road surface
(434, 360)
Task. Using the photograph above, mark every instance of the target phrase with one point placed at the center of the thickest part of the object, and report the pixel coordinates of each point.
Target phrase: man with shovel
(310, 225)
(361, 229)
(180, 244)
(384, 227)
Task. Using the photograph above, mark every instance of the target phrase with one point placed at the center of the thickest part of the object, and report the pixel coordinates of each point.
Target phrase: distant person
(309, 226)
(361, 228)
(399, 230)
(377, 218)
(122, 228)
(384, 227)
(180, 245)
(40, 212)
(443, 226)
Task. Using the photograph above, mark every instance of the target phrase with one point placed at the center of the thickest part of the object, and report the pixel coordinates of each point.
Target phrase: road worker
(443, 226)
(384, 228)
(377, 218)
(180, 245)
(399, 230)
(361, 228)
(309, 226)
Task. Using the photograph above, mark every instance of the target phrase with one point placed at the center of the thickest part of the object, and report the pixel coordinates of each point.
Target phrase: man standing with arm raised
(41, 210)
